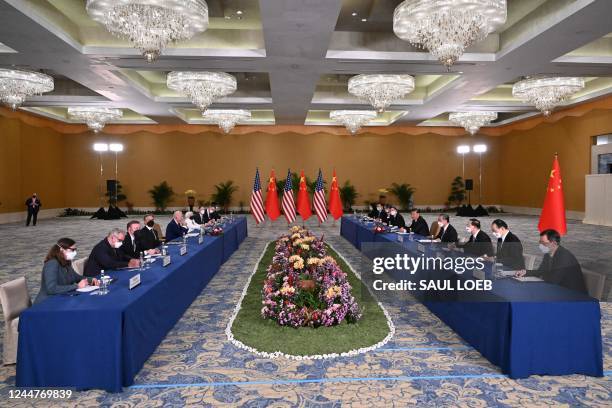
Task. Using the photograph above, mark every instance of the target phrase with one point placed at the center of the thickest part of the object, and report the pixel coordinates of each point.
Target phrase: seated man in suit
(509, 248)
(395, 218)
(202, 216)
(214, 212)
(447, 232)
(176, 228)
(479, 243)
(419, 225)
(106, 255)
(147, 238)
(132, 245)
(559, 265)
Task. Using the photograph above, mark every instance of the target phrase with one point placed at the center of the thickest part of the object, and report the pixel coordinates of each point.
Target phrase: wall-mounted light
(100, 147)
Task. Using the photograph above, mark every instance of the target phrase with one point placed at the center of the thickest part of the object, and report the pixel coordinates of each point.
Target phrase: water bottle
(102, 290)
(164, 250)
(142, 260)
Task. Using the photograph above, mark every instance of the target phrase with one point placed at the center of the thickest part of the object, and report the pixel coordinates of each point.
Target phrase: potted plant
(404, 193)
(190, 198)
(223, 194)
(348, 195)
(161, 194)
(457, 194)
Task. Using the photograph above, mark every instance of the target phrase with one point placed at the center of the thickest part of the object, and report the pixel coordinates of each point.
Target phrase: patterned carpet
(426, 363)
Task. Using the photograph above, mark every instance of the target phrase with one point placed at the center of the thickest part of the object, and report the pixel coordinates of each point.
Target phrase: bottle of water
(184, 239)
(102, 290)
(142, 260)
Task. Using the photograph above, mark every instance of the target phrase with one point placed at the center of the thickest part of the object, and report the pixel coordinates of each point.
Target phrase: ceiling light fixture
(353, 120)
(227, 118)
(447, 27)
(380, 90)
(17, 85)
(151, 24)
(545, 93)
(202, 87)
(472, 121)
(95, 117)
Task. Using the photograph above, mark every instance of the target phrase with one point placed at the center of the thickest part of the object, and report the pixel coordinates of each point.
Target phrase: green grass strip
(267, 335)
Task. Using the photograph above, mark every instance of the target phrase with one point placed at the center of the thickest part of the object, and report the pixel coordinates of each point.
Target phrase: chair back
(434, 229)
(529, 261)
(14, 298)
(79, 265)
(594, 282)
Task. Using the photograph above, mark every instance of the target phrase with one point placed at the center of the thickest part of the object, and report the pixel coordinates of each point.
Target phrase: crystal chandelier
(352, 119)
(150, 24)
(95, 117)
(380, 90)
(17, 85)
(546, 92)
(227, 118)
(472, 121)
(447, 27)
(202, 87)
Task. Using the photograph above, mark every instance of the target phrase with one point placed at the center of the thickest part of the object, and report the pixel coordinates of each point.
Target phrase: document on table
(193, 234)
(87, 289)
(426, 240)
(528, 279)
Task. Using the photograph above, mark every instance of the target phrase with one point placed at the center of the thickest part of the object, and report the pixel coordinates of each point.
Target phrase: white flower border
(279, 354)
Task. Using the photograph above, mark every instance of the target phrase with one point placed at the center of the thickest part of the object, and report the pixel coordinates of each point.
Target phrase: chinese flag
(272, 207)
(335, 203)
(553, 211)
(303, 201)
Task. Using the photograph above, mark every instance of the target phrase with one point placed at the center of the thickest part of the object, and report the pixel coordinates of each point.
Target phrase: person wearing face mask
(190, 223)
(214, 212)
(148, 237)
(33, 205)
(419, 225)
(106, 255)
(202, 216)
(509, 248)
(447, 232)
(479, 243)
(58, 276)
(559, 266)
(395, 218)
(176, 228)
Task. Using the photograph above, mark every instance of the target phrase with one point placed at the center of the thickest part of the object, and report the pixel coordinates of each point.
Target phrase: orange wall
(30, 161)
(526, 158)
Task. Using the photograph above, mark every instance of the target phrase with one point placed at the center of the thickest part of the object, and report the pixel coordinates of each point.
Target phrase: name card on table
(183, 250)
(201, 240)
(166, 260)
(134, 281)
(420, 248)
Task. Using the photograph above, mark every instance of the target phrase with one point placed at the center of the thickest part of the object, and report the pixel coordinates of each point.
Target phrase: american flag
(319, 199)
(288, 203)
(257, 208)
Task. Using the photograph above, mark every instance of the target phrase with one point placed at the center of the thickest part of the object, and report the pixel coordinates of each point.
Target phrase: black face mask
(150, 224)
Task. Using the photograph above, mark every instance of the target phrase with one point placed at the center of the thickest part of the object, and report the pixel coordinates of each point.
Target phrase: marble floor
(425, 364)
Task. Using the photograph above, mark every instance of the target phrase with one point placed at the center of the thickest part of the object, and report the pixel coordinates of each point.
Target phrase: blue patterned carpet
(426, 364)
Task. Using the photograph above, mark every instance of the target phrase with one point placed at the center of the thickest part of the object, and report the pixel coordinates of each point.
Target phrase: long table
(530, 328)
(86, 341)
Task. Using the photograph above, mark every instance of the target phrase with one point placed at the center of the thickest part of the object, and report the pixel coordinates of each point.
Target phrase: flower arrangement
(304, 287)
(216, 231)
(190, 193)
(379, 229)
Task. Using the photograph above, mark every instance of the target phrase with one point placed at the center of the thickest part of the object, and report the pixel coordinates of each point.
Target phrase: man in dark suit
(559, 266)
(509, 248)
(479, 243)
(395, 218)
(106, 255)
(130, 245)
(214, 212)
(419, 225)
(33, 205)
(447, 232)
(176, 228)
(202, 216)
(147, 237)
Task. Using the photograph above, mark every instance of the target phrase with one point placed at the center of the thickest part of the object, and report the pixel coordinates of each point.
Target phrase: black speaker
(111, 187)
(469, 184)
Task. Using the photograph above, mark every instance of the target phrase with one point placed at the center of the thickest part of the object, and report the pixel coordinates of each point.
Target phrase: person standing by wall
(33, 205)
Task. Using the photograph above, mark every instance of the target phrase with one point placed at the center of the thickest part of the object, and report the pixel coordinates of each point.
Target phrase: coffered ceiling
(293, 59)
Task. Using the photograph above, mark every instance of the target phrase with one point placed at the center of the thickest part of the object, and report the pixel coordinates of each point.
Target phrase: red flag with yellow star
(272, 207)
(335, 203)
(553, 211)
(303, 202)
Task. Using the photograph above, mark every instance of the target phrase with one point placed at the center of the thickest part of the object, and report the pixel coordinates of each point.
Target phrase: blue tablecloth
(557, 334)
(102, 342)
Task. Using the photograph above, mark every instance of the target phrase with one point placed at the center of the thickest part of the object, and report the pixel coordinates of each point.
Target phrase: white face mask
(497, 235)
(393, 213)
(440, 223)
(70, 255)
(202, 212)
(469, 231)
(118, 244)
(544, 248)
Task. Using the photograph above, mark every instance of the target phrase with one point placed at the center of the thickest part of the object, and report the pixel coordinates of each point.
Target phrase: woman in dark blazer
(58, 276)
